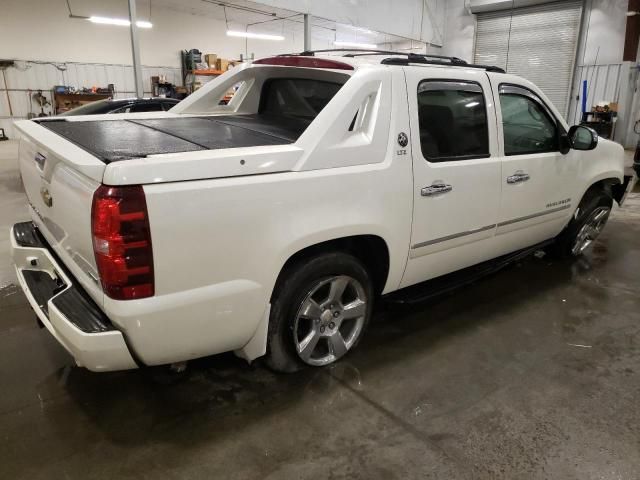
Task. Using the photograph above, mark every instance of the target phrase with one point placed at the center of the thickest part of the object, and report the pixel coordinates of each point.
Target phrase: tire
(307, 306)
(581, 231)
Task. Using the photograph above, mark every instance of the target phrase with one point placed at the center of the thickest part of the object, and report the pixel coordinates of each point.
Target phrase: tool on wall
(42, 101)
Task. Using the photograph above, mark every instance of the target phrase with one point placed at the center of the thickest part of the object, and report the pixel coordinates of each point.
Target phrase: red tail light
(309, 62)
(122, 242)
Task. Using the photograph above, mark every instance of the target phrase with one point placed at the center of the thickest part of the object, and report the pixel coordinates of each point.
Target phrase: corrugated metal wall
(603, 85)
(28, 76)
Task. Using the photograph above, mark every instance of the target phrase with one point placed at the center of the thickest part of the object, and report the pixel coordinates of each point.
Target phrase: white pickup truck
(267, 226)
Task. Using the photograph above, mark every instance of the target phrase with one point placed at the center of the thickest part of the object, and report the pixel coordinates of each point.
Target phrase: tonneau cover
(116, 140)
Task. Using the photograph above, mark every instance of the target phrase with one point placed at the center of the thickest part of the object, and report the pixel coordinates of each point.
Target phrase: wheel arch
(606, 183)
(372, 250)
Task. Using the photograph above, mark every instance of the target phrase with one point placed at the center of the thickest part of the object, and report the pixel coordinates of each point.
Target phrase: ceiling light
(119, 21)
(631, 13)
(355, 45)
(261, 36)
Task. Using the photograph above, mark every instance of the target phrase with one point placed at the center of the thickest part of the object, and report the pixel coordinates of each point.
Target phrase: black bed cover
(116, 140)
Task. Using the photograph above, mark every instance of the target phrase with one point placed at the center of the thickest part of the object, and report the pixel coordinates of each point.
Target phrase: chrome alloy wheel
(590, 230)
(330, 320)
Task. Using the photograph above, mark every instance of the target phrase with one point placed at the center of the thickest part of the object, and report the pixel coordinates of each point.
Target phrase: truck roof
(342, 59)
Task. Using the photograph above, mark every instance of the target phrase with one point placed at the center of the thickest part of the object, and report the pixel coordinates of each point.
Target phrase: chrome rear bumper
(63, 307)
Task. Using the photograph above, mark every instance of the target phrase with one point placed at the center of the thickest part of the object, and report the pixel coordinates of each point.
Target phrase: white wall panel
(413, 19)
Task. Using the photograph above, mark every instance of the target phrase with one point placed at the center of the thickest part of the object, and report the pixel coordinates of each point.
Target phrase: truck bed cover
(117, 140)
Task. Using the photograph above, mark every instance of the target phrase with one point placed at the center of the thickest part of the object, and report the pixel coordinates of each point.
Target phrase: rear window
(296, 97)
(453, 120)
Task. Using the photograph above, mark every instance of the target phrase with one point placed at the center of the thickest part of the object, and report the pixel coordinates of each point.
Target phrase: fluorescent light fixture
(119, 21)
(370, 46)
(261, 36)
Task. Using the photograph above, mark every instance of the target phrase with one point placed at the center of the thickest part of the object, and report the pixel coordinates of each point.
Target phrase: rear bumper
(63, 307)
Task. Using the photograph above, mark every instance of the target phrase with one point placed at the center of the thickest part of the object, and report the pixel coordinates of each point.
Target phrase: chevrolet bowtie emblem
(46, 197)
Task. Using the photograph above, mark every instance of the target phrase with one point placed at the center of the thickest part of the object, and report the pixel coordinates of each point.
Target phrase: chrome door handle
(518, 177)
(435, 189)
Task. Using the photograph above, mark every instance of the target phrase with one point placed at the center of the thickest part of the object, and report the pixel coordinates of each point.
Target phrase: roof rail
(358, 52)
(421, 58)
(438, 60)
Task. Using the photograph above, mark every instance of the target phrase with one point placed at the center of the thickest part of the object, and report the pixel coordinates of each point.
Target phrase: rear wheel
(585, 226)
(319, 312)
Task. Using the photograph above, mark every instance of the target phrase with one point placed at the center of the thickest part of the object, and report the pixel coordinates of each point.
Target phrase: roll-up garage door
(537, 43)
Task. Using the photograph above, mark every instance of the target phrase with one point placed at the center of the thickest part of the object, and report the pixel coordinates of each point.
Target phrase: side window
(146, 107)
(124, 109)
(527, 126)
(453, 121)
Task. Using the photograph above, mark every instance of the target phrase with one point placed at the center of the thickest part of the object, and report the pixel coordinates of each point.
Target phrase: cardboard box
(222, 64)
(211, 59)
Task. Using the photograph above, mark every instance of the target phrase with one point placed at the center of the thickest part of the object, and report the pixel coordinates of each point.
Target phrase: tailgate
(59, 180)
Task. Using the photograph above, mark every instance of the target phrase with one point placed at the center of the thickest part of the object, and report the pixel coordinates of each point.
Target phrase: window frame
(515, 89)
(449, 84)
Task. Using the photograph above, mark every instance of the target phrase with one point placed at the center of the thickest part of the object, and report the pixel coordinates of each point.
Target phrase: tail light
(122, 242)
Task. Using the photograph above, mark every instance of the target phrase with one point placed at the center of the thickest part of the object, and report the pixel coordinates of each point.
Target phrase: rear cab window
(296, 97)
(452, 117)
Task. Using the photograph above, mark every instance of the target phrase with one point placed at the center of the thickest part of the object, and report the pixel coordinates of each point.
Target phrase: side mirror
(583, 138)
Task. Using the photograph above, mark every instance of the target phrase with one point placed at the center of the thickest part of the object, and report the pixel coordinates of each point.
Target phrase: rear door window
(452, 116)
(296, 97)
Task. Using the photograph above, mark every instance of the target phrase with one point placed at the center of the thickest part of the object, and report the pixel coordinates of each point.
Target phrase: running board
(451, 281)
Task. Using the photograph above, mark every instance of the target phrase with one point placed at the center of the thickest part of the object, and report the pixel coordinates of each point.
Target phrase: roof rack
(421, 58)
(438, 60)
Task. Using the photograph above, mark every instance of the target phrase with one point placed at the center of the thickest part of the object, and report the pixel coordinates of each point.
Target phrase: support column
(307, 32)
(135, 49)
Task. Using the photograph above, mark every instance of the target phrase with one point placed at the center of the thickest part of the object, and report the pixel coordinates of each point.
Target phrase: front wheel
(585, 226)
(319, 312)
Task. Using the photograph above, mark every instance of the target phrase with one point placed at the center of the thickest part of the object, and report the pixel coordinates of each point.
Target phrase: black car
(128, 105)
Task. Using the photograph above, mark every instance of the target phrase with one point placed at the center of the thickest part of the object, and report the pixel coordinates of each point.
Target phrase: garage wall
(599, 58)
(604, 31)
(52, 49)
(51, 35)
(421, 20)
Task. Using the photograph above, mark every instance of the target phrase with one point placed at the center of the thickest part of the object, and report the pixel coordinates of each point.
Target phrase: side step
(451, 281)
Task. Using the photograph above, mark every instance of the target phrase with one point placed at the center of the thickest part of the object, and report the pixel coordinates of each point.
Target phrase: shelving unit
(206, 73)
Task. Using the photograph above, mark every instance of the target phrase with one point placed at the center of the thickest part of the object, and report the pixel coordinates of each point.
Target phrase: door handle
(435, 189)
(518, 177)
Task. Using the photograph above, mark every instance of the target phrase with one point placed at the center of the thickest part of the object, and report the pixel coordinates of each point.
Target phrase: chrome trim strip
(533, 215)
(488, 227)
(451, 237)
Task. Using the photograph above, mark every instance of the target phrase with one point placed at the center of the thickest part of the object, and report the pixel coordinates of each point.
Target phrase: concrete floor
(533, 372)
